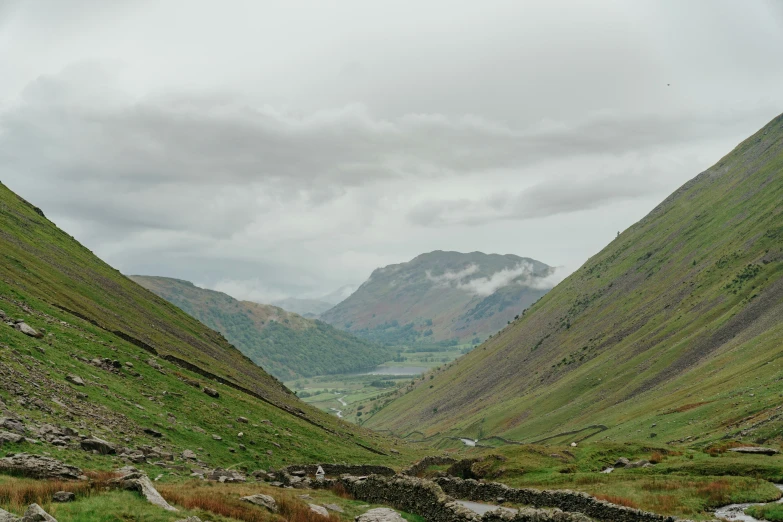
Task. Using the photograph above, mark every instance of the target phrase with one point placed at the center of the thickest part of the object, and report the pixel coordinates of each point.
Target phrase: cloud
(522, 274)
(448, 277)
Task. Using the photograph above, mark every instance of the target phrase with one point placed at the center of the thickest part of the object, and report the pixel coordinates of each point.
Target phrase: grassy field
(671, 333)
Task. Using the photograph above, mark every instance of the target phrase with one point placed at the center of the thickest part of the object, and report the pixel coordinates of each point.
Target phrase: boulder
(36, 466)
(75, 379)
(320, 510)
(211, 392)
(101, 446)
(135, 480)
(14, 425)
(225, 475)
(380, 515)
(755, 450)
(243, 420)
(35, 513)
(153, 433)
(28, 330)
(5, 516)
(7, 436)
(188, 454)
(262, 500)
(63, 496)
(621, 462)
(334, 507)
(216, 437)
(639, 464)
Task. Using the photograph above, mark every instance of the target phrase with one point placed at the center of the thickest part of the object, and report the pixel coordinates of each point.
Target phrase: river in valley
(396, 370)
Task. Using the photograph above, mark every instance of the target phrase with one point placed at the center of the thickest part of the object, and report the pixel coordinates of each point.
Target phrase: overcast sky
(274, 149)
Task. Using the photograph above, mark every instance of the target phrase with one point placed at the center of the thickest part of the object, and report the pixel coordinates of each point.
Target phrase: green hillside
(674, 331)
(441, 297)
(285, 344)
(115, 361)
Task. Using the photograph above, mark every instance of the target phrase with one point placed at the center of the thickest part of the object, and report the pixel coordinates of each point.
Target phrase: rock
(621, 462)
(136, 480)
(573, 444)
(259, 474)
(380, 515)
(320, 510)
(334, 507)
(217, 437)
(129, 364)
(154, 364)
(63, 496)
(36, 466)
(262, 500)
(13, 425)
(35, 513)
(225, 475)
(211, 392)
(188, 454)
(243, 420)
(299, 473)
(5, 516)
(75, 379)
(153, 433)
(7, 436)
(638, 464)
(394, 451)
(28, 330)
(189, 519)
(101, 446)
(755, 450)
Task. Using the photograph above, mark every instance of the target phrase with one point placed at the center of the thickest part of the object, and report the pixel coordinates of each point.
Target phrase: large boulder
(63, 496)
(75, 379)
(35, 513)
(5, 516)
(135, 480)
(755, 450)
(262, 500)
(320, 510)
(211, 392)
(7, 436)
(37, 466)
(101, 446)
(380, 515)
(28, 330)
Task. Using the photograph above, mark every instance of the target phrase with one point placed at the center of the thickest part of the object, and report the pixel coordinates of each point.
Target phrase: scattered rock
(101, 446)
(136, 480)
(189, 519)
(639, 464)
(211, 392)
(380, 515)
(217, 437)
(243, 420)
(188, 454)
(13, 425)
(573, 444)
(334, 507)
(154, 364)
(621, 462)
(36, 466)
(757, 450)
(7, 436)
(5, 516)
(28, 330)
(394, 451)
(35, 513)
(320, 510)
(63, 496)
(225, 475)
(262, 500)
(153, 433)
(75, 379)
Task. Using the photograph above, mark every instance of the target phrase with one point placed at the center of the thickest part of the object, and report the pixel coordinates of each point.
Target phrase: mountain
(97, 354)
(445, 297)
(306, 307)
(674, 331)
(339, 295)
(284, 343)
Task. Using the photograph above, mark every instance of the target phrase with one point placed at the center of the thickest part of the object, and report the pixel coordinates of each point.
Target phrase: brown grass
(620, 501)
(18, 493)
(339, 490)
(224, 500)
(718, 449)
(656, 457)
(717, 492)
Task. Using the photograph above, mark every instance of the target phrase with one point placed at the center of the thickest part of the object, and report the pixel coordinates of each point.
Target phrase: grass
(771, 512)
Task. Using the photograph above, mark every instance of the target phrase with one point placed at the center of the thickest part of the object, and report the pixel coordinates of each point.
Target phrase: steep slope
(677, 324)
(285, 344)
(114, 360)
(441, 297)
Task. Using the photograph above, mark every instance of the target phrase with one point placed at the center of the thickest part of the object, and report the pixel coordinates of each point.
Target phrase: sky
(287, 148)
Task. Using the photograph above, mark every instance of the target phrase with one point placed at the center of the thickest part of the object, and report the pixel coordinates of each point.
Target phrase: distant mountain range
(314, 307)
(285, 344)
(441, 298)
(674, 331)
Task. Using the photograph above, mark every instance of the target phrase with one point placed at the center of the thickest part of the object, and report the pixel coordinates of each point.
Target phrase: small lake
(396, 370)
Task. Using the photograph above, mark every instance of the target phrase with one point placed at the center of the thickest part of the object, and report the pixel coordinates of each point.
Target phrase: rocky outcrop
(755, 450)
(569, 501)
(262, 500)
(135, 480)
(36, 466)
(380, 515)
(225, 475)
(101, 446)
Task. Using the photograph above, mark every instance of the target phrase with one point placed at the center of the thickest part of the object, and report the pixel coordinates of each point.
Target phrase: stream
(737, 511)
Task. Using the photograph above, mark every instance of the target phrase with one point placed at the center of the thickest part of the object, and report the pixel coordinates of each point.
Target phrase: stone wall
(427, 499)
(335, 470)
(565, 500)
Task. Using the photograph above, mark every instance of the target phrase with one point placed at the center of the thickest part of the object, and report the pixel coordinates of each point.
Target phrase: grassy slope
(404, 293)
(676, 323)
(284, 343)
(43, 269)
